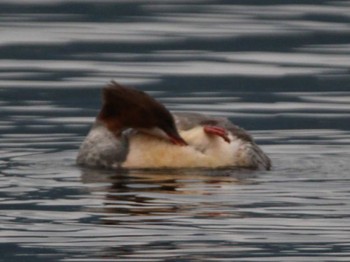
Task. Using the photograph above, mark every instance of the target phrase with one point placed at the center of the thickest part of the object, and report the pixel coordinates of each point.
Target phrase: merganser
(135, 131)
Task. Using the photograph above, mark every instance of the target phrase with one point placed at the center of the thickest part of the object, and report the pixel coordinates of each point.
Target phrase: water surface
(279, 69)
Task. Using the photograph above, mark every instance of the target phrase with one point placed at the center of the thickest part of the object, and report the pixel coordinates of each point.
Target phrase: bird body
(134, 131)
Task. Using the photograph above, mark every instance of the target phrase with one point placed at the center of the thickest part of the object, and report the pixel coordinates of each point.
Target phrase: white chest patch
(202, 151)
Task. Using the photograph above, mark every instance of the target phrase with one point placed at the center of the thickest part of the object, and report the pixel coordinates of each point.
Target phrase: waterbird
(135, 131)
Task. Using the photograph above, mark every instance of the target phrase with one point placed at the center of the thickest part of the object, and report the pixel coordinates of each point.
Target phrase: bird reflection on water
(146, 207)
(156, 193)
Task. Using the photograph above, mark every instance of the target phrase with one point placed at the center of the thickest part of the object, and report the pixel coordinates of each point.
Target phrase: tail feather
(258, 159)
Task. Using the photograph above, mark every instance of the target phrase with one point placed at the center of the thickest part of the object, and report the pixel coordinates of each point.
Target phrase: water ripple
(280, 70)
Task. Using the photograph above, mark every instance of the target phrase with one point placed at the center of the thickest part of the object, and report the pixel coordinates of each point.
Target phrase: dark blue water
(280, 69)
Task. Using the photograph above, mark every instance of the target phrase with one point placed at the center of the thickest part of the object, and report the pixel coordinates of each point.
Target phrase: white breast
(203, 151)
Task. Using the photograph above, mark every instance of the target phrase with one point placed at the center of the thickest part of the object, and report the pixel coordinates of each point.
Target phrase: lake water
(280, 69)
